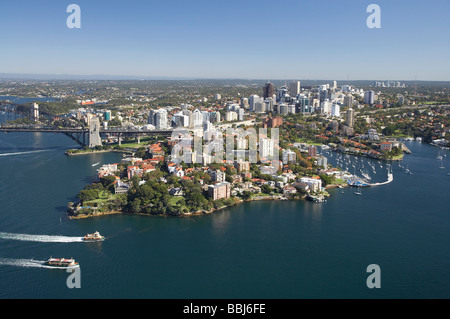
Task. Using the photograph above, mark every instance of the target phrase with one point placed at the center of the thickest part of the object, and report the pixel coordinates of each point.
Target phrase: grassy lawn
(309, 142)
(105, 196)
(174, 200)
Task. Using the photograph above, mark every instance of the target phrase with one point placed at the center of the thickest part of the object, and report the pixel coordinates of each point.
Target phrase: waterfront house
(121, 187)
(315, 185)
(289, 190)
(385, 146)
(219, 190)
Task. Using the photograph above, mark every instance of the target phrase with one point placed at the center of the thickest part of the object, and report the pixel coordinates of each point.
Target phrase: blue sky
(258, 39)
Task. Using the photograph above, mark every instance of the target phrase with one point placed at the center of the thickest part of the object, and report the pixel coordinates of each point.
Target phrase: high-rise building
(197, 118)
(350, 117)
(158, 118)
(323, 95)
(107, 115)
(214, 117)
(348, 100)
(219, 190)
(288, 156)
(180, 120)
(335, 110)
(244, 103)
(282, 93)
(311, 151)
(241, 114)
(266, 147)
(252, 100)
(369, 97)
(268, 90)
(294, 88)
(161, 121)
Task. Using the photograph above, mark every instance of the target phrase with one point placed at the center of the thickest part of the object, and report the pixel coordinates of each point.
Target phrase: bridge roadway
(67, 130)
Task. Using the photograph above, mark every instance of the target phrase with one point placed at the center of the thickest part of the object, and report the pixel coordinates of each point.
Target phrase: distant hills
(100, 77)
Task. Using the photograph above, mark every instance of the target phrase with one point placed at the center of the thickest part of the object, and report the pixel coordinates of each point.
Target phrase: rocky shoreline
(200, 212)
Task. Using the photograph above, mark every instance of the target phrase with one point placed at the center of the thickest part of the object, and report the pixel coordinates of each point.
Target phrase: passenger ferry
(94, 237)
(61, 262)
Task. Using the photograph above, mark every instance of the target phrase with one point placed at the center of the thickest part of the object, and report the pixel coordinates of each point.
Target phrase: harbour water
(265, 249)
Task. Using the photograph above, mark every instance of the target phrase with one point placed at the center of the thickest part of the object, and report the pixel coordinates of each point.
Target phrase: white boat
(96, 164)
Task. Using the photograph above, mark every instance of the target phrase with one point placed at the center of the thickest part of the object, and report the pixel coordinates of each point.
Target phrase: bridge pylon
(94, 132)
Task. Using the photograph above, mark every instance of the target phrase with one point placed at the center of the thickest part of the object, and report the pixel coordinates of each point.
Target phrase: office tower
(206, 116)
(304, 104)
(241, 114)
(291, 108)
(107, 115)
(294, 88)
(268, 90)
(369, 97)
(334, 85)
(252, 100)
(282, 109)
(197, 119)
(335, 110)
(180, 120)
(325, 107)
(348, 100)
(281, 93)
(288, 156)
(323, 94)
(266, 147)
(161, 120)
(311, 151)
(350, 117)
(244, 103)
(260, 107)
(214, 117)
(346, 88)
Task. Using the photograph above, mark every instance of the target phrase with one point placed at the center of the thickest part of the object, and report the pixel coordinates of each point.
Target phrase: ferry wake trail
(41, 238)
(23, 262)
(22, 153)
(27, 263)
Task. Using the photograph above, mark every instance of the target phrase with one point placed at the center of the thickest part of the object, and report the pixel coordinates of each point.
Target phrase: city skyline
(247, 40)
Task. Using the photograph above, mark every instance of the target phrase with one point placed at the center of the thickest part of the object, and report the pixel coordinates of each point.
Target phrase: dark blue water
(22, 100)
(290, 249)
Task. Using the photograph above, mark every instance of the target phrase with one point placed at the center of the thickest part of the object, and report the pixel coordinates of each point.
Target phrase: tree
(326, 180)
(88, 194)
(141, 152)
(108, 182)
(266, 189)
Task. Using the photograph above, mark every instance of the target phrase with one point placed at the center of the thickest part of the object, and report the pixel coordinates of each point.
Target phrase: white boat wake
(41, 238)
(23, 153)
(28, 263)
